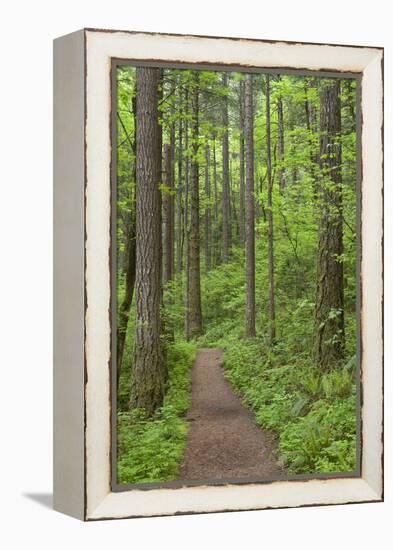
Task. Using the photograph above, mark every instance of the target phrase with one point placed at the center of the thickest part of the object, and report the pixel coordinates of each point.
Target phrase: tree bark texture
(272, 307)
(250, 230)
(329, 302)
(217, 251)
(208, 260)
(148, 381)
(242, 230)
(194, 290)
(186, 221)
(179, 196)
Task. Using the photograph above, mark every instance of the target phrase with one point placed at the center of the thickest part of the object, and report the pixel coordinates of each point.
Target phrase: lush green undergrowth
(149, 450)
(313, 415)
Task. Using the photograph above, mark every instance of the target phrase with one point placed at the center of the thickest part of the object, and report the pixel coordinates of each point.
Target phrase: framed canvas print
(218, 274)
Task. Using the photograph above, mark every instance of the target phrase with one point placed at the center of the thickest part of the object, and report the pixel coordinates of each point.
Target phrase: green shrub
(313, 415)
(322, 441)
(149, 450)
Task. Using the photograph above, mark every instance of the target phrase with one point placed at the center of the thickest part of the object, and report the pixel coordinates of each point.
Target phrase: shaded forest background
(236, 228)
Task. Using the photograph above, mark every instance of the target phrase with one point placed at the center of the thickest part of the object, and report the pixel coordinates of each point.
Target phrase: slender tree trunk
(272, 307)
(311, 122)
(179, 217)
(168, 207)
(351, 104)
(186, 223)
(172, 143)
(194, 298)
(281, 144)
(263, 209)
(311, 112)
(233, 220)
(168, 203)
(250, 230)
(226, 225)
(124, 310)
(208, 261)
(217, 255)
(233, 212)
(242, 229)
(172, 132)
(329, 303)
(148, 381)
(348, 126)
(166, 333)
(130, 265)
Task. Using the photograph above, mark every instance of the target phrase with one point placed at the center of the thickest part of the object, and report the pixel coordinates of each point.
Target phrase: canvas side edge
(68, 243)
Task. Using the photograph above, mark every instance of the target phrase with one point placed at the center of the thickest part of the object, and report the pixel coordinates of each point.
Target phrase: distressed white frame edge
(101, 46)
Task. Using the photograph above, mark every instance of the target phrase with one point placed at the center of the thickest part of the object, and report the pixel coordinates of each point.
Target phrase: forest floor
(224, 440)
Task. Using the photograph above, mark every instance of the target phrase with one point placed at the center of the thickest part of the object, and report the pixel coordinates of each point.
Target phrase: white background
(26, 259)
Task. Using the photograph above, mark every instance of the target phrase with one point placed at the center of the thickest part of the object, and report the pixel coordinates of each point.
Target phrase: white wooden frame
(82, 400)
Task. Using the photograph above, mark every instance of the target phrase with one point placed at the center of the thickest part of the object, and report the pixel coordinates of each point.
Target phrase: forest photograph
(236, 289)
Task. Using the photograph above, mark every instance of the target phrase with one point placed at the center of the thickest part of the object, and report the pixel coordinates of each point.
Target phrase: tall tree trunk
(167, 329)
(250, 229)
(281, 144)
(329, 303)
(217, 252)
(186, 220)
(147, 388)
(208, 261)
(130, 265)
(194, 290)
(226, 225)
(272, 307)
(242, 230)
(172, 143)
(168, 216)
(172, 130)
(232, 201)
(179, 217)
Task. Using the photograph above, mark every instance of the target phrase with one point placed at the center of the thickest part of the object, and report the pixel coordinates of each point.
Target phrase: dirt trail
(224, 440)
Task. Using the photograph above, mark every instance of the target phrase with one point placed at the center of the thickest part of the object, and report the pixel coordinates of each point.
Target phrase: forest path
(224, 440)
